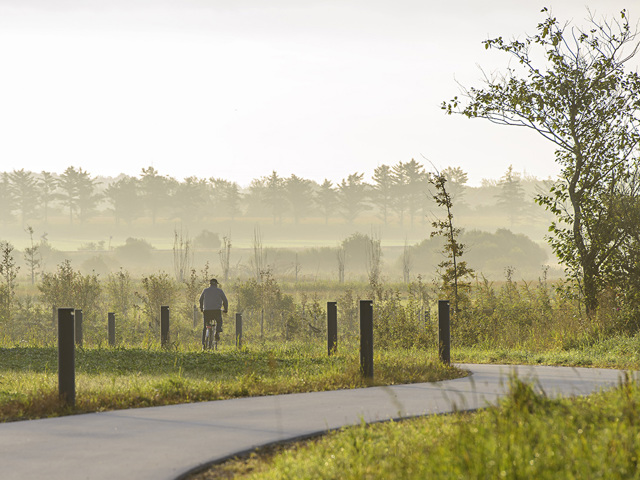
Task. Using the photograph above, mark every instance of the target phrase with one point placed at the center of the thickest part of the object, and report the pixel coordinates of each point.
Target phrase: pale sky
(236, 89)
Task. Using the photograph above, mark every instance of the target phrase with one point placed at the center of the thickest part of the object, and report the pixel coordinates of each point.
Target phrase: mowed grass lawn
(117, 378)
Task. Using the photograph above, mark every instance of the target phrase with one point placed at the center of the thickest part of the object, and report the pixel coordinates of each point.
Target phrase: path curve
(165, 442)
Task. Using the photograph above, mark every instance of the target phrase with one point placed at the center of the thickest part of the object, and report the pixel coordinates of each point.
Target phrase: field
(285, 351)
(115, 378)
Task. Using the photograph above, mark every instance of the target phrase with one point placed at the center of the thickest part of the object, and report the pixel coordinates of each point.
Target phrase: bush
(134, 250)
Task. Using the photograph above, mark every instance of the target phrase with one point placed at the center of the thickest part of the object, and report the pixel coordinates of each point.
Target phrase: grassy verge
(108, 379)
(526, 436)
(621, 352)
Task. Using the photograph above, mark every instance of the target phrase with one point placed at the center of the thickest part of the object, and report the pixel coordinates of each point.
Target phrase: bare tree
(225, 255)
(182, 254)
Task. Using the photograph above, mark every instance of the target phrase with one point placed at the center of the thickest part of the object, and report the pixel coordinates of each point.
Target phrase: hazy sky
(236, 89)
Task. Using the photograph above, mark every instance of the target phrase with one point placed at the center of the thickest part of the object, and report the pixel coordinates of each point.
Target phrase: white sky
(238, 88)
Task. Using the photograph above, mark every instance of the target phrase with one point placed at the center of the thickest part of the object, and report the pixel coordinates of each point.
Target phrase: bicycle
(210, 337)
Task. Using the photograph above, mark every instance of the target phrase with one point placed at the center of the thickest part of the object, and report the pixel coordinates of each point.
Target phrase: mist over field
(303, 230)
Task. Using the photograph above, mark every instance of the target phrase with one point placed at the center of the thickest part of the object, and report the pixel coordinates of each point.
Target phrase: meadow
(116, 378)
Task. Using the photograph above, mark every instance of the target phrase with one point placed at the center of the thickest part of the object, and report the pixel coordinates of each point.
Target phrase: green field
(116, 378)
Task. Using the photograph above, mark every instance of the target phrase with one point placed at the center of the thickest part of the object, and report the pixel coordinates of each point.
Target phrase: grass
(526, 436)
(108, 379)
(620, 352)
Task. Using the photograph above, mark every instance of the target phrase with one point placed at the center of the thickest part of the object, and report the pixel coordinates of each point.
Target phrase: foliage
(8, 274)
(453, 270)
(68, 288)
(158, 289)
(581, 99)
(134, 250)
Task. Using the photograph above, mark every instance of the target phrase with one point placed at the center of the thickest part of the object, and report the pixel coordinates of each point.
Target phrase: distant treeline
(396, 195)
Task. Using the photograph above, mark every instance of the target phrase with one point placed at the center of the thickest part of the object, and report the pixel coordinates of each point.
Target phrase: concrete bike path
(165, 442)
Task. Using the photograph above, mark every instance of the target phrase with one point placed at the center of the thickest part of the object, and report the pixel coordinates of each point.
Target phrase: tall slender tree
(299, 194)
(6, 199)
(382, 194)
(124, 198)
(156, 191)
(352, 196)
(510, 198)
(69, 185)
(25, 193)
(326, 199)
(47, 185)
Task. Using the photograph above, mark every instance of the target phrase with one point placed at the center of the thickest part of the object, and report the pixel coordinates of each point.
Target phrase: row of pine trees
(395, 194)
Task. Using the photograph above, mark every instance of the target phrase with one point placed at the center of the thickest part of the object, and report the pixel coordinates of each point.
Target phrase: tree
(8, 274)
(124, 199)
(156, 191)
(352, 196)
(88, 198)
(400, 186)
(453, 270)
(383, 190)
(511, 195)
(47, 185)
(6, 199)
(32, 256)
(191, 198)
(456, 180)
(327, 199)
(273, 195)
(299, 193)
(68, 185)
(571, 87)
(416, 187)
(226, 197)
(25, 193)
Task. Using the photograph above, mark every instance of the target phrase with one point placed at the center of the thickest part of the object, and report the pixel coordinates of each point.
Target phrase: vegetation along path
(166, 442)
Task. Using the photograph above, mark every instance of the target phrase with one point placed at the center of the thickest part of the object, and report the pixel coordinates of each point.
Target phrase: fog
(295, 228)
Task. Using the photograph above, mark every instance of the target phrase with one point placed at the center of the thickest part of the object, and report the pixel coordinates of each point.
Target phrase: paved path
(165, 442)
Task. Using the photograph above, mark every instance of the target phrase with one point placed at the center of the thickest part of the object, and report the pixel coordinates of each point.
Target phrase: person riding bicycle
(212, 300)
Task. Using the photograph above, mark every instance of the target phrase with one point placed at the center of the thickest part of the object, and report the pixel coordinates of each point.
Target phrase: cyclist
(212, 301)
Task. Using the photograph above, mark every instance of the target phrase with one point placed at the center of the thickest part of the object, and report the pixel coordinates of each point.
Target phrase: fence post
(332, 327)
(111, 328)
(77, 315)
(444, 331)
(66, 356)
(366, 338)
(164, 326)
(239, 330)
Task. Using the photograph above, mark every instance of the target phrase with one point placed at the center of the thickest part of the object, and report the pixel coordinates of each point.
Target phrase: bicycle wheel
(208, 339)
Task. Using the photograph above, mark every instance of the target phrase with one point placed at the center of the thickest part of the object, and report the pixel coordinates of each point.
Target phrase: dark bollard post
(66, 356)
(164, 326)
(77, 315)
(239, 330)
(111, 327)
(332, 327)
(444, 329)
(366, 338)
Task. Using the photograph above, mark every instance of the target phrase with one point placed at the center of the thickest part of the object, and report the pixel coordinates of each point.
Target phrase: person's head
(213, 282)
